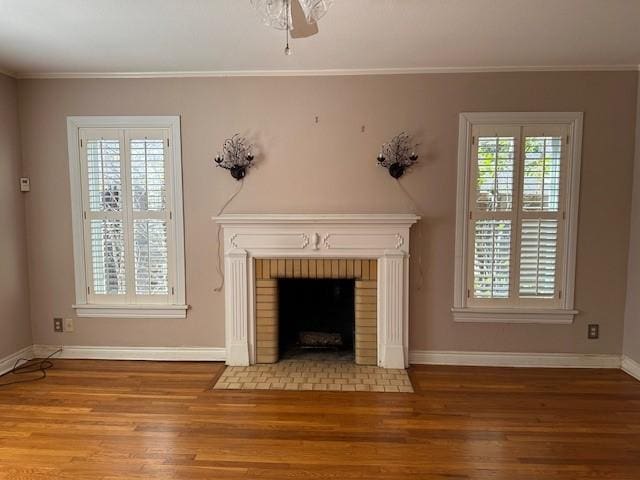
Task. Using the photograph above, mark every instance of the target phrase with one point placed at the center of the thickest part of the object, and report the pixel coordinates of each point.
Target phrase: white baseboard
(193, 354)
(416, 357)
(8, 362)
(508, 359)
(631, 367)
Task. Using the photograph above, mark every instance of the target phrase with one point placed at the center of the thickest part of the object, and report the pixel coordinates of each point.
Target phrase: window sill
(131, 311)
(514, 315)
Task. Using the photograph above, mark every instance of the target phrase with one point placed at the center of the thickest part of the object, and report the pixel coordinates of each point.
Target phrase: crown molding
(327, 72)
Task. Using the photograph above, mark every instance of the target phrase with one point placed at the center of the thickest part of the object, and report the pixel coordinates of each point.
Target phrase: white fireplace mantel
(381, 236)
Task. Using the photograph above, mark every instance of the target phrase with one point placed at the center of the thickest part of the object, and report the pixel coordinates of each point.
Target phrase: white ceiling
(76, 37)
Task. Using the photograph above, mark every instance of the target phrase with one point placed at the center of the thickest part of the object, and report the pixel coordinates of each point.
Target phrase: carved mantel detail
(316, 241)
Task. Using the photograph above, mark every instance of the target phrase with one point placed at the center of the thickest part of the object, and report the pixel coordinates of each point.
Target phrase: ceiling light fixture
(277, 13)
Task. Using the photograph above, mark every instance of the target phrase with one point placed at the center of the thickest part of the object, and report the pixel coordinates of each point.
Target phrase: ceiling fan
(292, 15)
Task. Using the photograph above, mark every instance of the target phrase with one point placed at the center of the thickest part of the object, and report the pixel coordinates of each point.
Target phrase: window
(518, 180)
(126, 186)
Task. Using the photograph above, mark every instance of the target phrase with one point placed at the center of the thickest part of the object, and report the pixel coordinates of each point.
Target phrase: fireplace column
(393, 307)
(237, 307)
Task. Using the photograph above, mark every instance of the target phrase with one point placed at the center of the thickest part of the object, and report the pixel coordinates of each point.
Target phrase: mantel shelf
(316, 218)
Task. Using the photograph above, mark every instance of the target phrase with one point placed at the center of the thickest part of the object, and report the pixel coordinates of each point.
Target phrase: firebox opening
(316, 316)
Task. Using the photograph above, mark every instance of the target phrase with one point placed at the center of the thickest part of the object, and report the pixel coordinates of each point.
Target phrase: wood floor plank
(103, 420)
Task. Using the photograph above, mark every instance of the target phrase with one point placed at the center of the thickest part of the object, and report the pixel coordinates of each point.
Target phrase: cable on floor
(32, 365)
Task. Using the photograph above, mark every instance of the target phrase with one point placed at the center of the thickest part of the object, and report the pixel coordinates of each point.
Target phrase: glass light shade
(314, 10)
(277, 13)
(274, 13)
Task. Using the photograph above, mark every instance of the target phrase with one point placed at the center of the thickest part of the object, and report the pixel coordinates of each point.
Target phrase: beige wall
(15, 331)
(330, 167)
(632, 312)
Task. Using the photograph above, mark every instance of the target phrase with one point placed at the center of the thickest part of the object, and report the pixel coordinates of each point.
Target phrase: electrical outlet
(68, 325)
(58, 325)
(593, 331)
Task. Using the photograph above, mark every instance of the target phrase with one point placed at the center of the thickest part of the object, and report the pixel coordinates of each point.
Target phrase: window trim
(461, 310)
(177, 309)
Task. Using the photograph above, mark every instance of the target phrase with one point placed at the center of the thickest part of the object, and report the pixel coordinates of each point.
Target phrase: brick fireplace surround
(372, 249)
(364, 272)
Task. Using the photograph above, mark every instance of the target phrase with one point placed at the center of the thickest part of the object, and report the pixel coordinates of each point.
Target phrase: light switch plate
(68, 325)
(25, 184)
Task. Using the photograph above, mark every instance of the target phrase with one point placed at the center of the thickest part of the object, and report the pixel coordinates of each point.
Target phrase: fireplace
(262, 252)
(316, 315)
(322, 275)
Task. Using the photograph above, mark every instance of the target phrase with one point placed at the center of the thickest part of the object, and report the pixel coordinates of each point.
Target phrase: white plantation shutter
(495, 164)
(104, 214)
(542, 168)
(148, 153)
(148, 166)
(542, 215)
(492, 258)
(538, 258)
(151, 254)
(516, 215)
(128, 228)
(492, 214)
(107, 247)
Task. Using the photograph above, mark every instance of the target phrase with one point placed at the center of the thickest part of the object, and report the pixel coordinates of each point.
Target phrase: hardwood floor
(103, 420)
